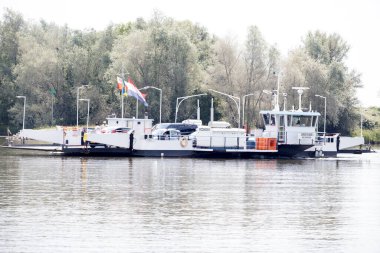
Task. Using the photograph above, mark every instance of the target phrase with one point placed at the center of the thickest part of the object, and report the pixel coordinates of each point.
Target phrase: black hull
(284, 151)
(97, 151)
(162, 153)
(314, 154)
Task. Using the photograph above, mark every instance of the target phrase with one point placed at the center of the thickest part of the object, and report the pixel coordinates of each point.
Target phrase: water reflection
(188, 205)
(83, 169)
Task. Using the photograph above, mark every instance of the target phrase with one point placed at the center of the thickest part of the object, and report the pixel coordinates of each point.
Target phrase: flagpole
(122, 103)
(122, 91)
(52, 109)
(137, 108)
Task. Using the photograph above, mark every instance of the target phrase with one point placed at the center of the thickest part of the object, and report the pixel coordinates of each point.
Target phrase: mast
(212, 110)
(198, 111)
(285, 95)
(277, 98)
(122, 91)
(300, 91)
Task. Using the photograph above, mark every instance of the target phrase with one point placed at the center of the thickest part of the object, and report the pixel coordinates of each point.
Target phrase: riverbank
(372, 136)
(370, 125)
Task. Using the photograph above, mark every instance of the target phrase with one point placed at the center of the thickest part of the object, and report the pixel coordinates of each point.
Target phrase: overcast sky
(282, 22)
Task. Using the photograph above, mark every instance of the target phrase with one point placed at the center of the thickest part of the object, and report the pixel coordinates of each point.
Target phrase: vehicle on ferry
(166, 134)
(183, 128)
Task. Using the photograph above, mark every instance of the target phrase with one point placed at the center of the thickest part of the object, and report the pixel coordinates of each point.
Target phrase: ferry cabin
(290, 127)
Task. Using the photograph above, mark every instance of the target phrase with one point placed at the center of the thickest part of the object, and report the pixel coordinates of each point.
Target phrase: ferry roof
(128, 119)
(299, 113)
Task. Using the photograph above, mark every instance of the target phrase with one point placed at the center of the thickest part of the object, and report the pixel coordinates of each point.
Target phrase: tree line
(47, 63)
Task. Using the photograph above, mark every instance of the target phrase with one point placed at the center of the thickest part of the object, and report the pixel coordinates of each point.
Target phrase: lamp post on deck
(152, 87)
(235, 99)
(23, 115)
(181, 99)
(88, 110)
(324, 123)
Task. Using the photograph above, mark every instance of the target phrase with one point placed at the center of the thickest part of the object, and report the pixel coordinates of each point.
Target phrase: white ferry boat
(136, 138)
(286, 134)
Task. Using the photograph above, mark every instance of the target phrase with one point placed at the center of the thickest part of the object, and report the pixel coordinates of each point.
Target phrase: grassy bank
(371, 125)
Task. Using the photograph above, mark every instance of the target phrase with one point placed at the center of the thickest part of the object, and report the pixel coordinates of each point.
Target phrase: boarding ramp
(346, 142)
(47, 135)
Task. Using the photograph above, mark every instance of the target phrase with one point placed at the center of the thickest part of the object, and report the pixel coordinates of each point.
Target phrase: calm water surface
(63, 204)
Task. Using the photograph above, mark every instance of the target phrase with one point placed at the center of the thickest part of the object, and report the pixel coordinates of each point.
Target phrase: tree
(158, 54)
(261, 62)
(225, 76)
(58, 59)
(320, 65)
(324, 48)
(239, 72)
(11, 25)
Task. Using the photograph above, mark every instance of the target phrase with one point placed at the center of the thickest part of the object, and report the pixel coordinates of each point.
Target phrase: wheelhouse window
(315, 121)
(272, 120)
(301, 120)
(269, 119)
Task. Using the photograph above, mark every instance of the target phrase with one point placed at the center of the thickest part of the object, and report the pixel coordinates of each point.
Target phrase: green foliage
(320, 65)
(371, 125)
(161, 55)
(61, 59)
(261, 66)
(371, 136)
(324, 48)
(11, 25)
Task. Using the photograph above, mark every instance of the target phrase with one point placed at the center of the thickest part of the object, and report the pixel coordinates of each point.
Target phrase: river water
(50, 203)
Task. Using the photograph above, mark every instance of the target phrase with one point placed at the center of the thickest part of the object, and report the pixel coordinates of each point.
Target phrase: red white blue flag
(129, 89)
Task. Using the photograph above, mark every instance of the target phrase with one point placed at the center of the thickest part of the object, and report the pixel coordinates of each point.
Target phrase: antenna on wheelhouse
(276, 93)
(198, 111)
(122, 93)
(285, 95)
(212, 110)
(300, 91)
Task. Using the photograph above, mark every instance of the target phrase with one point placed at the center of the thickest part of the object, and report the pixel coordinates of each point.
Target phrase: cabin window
(315, 119)
(269, 119)
(272, 121)
(300, 121)
(266, 118)
(282, 120)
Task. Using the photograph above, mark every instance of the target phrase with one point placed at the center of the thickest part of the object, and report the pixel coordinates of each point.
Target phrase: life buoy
(183, 142)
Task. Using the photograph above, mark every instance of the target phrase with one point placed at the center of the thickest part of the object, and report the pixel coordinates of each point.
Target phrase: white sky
(282, 22)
